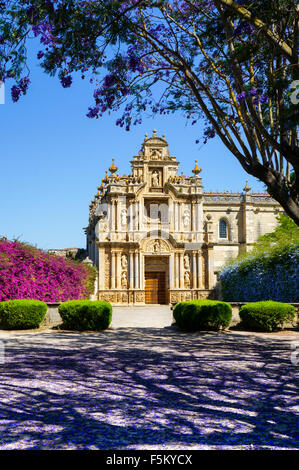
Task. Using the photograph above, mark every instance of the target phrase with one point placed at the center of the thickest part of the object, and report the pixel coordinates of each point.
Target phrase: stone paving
(142, 384)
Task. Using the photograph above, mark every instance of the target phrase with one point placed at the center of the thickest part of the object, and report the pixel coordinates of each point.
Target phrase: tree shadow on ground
(147, 388)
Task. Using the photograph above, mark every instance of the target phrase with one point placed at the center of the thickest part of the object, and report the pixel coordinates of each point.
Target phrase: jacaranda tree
(232, 63)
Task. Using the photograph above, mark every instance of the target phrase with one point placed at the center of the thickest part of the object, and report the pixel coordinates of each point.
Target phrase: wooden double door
(155, 287)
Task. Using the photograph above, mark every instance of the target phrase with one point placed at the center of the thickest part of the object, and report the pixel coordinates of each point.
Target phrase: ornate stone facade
(157, 237)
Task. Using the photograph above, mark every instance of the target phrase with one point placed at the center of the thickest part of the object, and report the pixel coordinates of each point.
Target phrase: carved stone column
(170, 216)
(110, 215)
(142, 275)
(140, 215)
(116, 222)
(176, 260)
(171, 271)
(199, 273)
(181, 270)
(113, 270)
(118, 270)
(131, 271)
(194, 270)
(101, 268)
(129, 217)
(179, 217)
(176, 218)
(136, 271)
(193, 217)
(136, 216)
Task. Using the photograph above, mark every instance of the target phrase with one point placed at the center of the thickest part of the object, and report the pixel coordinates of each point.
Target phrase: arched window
(222, 229)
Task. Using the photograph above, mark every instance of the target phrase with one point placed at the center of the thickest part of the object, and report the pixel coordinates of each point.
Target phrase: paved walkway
(158, 316)
(147, 387)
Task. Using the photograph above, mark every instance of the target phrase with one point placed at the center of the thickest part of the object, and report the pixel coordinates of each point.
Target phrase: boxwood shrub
(197, 315)
(21, 314)
(85, 315)
(266, 315)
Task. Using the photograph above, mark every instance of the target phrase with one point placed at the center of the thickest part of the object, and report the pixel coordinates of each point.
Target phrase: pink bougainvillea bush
(27, 272)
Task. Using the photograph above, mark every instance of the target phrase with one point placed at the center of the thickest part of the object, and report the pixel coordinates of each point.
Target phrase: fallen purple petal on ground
(147, 388)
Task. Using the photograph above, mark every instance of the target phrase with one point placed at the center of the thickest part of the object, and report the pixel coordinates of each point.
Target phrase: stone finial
(154, 133)
(196, 170)
(106, 179)
(145, 136)
(246, 189)
(113, 168)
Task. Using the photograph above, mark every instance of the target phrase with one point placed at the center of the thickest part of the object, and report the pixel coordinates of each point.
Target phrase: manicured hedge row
(266, 316)
(204, 314)
(22, 314)
(83, 315)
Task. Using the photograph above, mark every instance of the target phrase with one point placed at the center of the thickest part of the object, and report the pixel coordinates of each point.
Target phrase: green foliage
(286, 233)
(266, 316)
(22, 314)
(197, 315)
(90, 278)
(85, 315)
(281, 240)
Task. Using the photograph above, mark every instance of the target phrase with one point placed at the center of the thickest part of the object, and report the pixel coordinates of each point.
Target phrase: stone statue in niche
(187, 279)
(186, 262)
(124, 281)
(124, 261)
(186, 218)
(123, 217)
(155, 179)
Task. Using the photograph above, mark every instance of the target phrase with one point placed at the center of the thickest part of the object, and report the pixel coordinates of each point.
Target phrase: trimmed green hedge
(85, 315)
(204, 314)
(266, 315)
(21, 314)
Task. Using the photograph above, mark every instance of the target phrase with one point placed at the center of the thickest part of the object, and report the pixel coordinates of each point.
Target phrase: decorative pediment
(156, 246)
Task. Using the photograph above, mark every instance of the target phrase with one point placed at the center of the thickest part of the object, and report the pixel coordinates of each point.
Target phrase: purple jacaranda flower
(15, 93)
(241, 96)
(93, 112)
(24, 84)
(66, 81)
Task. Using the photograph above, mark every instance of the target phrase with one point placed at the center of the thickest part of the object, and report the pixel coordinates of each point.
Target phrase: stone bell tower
(154, 164)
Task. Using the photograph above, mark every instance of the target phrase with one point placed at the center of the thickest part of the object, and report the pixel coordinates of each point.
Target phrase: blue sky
(53, 158)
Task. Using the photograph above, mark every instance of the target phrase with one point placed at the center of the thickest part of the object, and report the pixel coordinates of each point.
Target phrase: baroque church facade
(156, 237)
